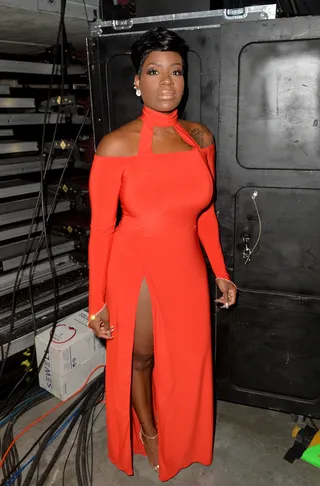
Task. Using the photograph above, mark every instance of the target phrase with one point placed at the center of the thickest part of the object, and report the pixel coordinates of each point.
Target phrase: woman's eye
(152, 71)
(178, 72)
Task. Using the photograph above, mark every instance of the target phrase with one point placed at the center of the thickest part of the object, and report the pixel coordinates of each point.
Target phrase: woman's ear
(137, 81)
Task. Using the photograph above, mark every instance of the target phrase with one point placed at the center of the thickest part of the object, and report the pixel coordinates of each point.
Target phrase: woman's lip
(167, 94)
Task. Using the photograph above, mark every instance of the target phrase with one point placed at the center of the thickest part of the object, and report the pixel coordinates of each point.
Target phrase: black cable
(314, 424)
(43, 170)
(307, 7)
(52, 427)
(31, 395)
(69, 454)
(82, 469)
(35, 215)
(74, 442)
(12, 461)
(44, 234)
(42, 480)
(91, 439)
(87, 397)
(38, 472)
(48, 217)
(90, 449)
(294, 7)
(86, 13)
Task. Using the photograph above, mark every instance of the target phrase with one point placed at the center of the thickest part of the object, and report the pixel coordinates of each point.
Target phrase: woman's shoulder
(122, 142)
(200, 133)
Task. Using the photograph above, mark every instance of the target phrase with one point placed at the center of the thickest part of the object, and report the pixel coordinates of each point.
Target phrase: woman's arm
(104, 189)
(208, 229)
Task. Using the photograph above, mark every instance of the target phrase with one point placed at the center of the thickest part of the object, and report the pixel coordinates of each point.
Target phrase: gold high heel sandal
(142, 434)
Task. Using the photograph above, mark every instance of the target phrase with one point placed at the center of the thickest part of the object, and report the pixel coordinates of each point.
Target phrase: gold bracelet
(226, 280)
(94, 316)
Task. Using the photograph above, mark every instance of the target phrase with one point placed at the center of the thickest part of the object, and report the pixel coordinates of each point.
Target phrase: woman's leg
(142, 367)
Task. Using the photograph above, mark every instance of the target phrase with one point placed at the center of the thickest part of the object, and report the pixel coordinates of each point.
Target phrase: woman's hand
(101, 325)
(229, 293)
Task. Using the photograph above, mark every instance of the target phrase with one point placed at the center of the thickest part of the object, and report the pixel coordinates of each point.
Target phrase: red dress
(166, 202)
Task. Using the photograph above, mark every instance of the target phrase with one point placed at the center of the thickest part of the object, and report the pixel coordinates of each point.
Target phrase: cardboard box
(73, 354)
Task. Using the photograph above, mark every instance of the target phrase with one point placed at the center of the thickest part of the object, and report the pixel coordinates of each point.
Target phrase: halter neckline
(157, 119)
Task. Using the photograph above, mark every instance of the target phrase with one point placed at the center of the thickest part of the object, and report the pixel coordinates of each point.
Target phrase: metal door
(269, 202)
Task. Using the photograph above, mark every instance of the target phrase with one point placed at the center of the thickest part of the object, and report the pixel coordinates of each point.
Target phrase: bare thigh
(143, 335)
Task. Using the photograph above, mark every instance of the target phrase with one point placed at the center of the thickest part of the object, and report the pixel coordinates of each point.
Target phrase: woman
(148, 282)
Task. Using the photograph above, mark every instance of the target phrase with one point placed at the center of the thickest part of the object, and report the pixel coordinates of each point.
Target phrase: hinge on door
(236, 13)
(122, 24)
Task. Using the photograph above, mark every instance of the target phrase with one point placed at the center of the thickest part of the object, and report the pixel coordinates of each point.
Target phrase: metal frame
(23, 67)
(262, 12)
(27, 340)
(17, 119)
(38, 119)
(4, 90)
(17, 187)
(13, 147)
(17, 231)
(6, 132)
(14, 103)
(24, 165)
(23, 210)
(42, 272)
(10, 255)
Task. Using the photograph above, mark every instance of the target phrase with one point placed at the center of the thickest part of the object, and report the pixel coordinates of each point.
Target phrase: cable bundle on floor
(82, 412)
(13, 456)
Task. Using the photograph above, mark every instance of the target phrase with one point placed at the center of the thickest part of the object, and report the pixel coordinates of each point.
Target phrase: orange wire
(46, 415)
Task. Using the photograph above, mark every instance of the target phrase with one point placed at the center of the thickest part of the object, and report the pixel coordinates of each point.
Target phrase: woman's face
(161, 81)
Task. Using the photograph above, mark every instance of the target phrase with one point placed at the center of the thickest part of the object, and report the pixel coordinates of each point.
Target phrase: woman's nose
(166, 80)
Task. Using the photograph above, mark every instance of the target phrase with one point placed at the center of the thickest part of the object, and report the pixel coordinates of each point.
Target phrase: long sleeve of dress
(208, 230)
(104, 189)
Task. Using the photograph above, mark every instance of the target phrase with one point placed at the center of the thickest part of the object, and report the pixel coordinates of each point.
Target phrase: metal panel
(13, 103)
(17, 187)
(193, 19)
(147, 8)
(268, 198)
(24, 165)
(38, 119)
(18, 231)
(65, 307)
(17, 147)
(7, 66)
(42, 272)
(65, 287)
(74, 8)
(73, 223)
(29, 118)
(4, 90)
(10, 255)
(22, 210)
(6, 132)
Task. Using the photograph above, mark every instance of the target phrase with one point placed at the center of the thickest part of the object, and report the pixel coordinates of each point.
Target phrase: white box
(72, 356)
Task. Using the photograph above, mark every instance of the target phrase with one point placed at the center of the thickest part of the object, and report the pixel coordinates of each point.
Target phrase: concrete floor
(249, 449)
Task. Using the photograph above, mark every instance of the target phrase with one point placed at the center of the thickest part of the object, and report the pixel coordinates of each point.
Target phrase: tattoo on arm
(198, 136)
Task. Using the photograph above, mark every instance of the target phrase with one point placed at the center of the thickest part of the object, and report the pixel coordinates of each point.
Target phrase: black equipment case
(253, 81)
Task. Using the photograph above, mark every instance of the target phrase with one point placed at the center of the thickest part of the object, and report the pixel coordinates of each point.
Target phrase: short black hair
(158, 39)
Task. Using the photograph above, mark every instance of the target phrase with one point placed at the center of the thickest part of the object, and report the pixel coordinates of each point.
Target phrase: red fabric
(157, 239)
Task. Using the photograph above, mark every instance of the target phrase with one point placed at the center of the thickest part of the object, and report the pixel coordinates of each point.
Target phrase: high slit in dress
(167, 209)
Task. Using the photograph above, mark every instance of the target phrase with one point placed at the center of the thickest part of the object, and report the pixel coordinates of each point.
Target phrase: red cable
(46, 415)
(69, 339)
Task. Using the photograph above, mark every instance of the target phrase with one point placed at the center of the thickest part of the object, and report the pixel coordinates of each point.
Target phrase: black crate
(269, 181)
